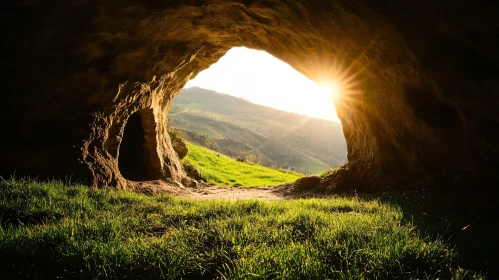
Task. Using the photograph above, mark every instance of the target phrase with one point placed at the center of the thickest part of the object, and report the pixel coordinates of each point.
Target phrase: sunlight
(331, 89)
(263, 79)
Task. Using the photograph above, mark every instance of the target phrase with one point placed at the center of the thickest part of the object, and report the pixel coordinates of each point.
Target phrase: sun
(330, 88)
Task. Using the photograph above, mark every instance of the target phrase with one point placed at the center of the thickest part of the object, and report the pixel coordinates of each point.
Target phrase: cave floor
(55, 229)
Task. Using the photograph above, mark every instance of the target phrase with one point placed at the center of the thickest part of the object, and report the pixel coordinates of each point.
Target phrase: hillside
(272, 137)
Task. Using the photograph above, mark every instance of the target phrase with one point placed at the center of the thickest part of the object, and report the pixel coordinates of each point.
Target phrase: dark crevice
(138, 159)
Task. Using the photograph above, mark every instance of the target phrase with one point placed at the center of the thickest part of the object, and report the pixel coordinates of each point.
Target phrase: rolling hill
(271, 137)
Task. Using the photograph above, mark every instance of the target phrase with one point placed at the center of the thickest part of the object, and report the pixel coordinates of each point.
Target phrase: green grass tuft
(51, 230)
(222, 170)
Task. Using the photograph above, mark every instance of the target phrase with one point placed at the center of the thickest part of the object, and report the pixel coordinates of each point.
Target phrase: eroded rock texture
(422, 79)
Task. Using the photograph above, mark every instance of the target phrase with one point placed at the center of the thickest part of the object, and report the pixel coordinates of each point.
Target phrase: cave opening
(257, 109)
(138, 158)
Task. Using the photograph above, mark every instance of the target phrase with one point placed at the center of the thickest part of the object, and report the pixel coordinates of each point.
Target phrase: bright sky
(263, 79)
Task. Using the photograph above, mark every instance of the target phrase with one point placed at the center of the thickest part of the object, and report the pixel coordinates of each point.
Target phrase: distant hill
(241, 129)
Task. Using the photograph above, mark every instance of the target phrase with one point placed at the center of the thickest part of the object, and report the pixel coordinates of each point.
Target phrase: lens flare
(330, 88)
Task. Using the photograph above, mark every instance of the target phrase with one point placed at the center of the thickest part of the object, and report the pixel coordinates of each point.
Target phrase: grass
(222, 170)
(53, 230)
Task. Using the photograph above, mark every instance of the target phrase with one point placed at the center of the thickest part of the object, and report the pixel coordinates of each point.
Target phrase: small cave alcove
(138, 158)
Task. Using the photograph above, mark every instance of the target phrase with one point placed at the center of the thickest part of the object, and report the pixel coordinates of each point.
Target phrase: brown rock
(180, 147)
(190, 183)
(88, 94)
(196, 174)
(307, 183)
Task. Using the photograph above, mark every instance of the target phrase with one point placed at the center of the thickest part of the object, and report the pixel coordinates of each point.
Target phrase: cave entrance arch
(138, 158)
(254, 107)
(140, 55)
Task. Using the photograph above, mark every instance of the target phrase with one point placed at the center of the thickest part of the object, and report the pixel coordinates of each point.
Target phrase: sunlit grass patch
(219, 169)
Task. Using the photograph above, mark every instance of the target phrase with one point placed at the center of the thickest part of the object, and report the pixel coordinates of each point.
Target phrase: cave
(424, 96)
(138, 159)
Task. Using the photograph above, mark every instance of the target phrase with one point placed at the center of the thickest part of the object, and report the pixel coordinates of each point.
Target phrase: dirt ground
(231, 193)
(205, 192)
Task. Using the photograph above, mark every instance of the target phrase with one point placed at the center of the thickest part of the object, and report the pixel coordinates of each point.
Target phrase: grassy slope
(222, 170)
(51, 230)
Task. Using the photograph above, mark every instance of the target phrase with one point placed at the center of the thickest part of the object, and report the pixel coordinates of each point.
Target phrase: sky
(263, 79)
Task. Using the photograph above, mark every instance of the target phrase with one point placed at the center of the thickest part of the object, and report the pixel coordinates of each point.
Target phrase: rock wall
(421, 89)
